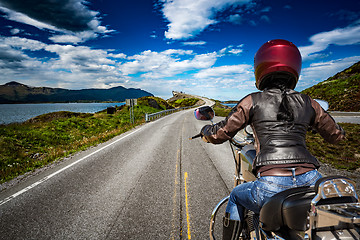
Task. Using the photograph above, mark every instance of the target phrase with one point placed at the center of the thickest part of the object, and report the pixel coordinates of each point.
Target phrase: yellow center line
(187, 206)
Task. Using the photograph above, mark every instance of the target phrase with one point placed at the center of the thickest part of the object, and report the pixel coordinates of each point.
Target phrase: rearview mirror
(249, 130)
(204, 113)
(323, 104)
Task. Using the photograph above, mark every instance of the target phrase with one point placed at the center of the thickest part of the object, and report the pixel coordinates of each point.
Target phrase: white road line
(61, 170)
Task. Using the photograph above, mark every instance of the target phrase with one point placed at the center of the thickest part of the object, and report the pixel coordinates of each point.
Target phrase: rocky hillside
(342, 91)
(181, 99)
(14, 92)
(154, 102)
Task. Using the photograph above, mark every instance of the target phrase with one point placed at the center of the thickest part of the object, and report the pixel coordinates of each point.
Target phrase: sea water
(11, 113)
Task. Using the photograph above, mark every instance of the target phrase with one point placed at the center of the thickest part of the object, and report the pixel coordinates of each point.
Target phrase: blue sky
(203, 47)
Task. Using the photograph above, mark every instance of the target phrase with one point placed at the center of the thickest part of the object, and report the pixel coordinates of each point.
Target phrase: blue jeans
(253, 195)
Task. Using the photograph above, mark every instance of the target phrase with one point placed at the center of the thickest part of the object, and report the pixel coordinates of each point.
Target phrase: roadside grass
(344, 155)
(220, 109)
(47, 138)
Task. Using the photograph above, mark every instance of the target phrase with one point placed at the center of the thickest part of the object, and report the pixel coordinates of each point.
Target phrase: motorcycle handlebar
(233, 141)
(196, 136)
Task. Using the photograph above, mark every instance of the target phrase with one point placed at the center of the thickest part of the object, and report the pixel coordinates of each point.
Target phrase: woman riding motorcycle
(280, 118)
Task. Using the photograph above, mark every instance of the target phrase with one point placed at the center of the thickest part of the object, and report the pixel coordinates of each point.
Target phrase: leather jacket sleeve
(325, 125)
(227, 129)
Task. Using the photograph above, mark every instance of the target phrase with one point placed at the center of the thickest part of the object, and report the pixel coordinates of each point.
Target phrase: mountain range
(14, 92)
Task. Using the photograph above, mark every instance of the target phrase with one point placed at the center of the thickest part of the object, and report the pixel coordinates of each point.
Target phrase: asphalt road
(346, 117)
(149, 183)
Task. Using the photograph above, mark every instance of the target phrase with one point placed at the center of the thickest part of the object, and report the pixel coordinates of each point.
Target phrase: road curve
(149, 183)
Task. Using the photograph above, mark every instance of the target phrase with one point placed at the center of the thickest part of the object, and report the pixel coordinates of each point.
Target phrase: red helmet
(277, 58)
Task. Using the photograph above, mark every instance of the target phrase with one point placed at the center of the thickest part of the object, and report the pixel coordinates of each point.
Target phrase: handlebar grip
(196, 136)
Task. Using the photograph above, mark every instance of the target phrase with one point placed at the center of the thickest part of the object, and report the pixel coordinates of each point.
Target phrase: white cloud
(225, 71)
(321, 41)
(15, 31)
(72, 20)
(78, 67)
(253, 23)
(167, 63)
(198, 43)
(177, 52)
(236, 19)
(160, 87)
(15, 65)
(225, 82)
(153, 34)
(74, 38)
(118, 55)
(266, 9)
(71, 66)
(231, 85)
(66, 39)
(22, 43)
(11, 58)
(265, 18)
(231, 50)
(22, 18)
(188, 17)
(82, 59)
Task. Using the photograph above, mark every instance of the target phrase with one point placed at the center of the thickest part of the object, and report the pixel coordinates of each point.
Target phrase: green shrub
(185, 102)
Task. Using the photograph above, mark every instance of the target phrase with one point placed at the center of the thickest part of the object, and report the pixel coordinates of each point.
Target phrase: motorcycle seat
(288, 208)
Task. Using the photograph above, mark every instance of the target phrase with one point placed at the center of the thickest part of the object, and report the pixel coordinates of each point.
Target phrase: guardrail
(153, 116)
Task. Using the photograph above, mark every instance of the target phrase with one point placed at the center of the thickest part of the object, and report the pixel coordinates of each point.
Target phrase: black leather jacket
(277, 142)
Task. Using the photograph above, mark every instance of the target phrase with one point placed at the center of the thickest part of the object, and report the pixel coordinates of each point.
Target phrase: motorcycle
(328, 211)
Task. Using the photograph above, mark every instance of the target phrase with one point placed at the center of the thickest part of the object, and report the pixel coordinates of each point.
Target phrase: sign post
(131, 103)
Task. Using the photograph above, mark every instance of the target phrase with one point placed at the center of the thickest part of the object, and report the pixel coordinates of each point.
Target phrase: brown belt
(285, 171)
